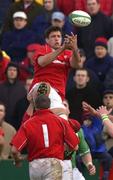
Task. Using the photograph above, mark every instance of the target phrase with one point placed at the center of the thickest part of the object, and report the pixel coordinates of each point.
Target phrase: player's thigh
(37, 168)
(77, 174)
(56, 101)
(54, 170)
(34, 172)
(67, 170)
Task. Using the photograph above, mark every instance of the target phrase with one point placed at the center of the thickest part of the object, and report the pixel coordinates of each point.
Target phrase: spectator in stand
(82, 91)
(101, 25)
(3, 10)
(93, 132)
(42, 22)
(4, 61)
(15, 42)
(27, 66)
(11, 91)
(30, 7)
(101, 63)
(106, 6)
(22, 105)
(108, 102)
(104, 114)
(60, 20)
(93, 77)
(8, 131)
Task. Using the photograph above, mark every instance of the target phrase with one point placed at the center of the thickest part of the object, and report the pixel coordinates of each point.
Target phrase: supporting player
(45, 149)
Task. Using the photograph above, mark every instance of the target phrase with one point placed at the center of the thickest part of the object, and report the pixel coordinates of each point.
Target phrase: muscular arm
(109, 127)
(110, 117)
(48, 58)
(70, 42)
(103, 112)
(17, 157)
(85, 154)
(75, 59)
(87, 159)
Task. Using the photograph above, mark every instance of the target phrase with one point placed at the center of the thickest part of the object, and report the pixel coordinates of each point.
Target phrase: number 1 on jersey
(45, 133)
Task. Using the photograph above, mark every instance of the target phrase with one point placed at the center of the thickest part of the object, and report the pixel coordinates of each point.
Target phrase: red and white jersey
(45, 134)
(56, 72)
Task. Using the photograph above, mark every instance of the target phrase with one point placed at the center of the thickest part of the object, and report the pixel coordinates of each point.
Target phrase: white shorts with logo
(77, 174)
(45, 169)
(56, 101)
(67, 170)
(50, 169)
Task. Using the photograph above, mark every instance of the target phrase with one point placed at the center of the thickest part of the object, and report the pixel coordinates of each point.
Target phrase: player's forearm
(48, 58)
(106, 121)
(110, 117)
(75, 59)
(87, 159)
(16, 156)
(30, 109)
(15, 153)
(109, 127)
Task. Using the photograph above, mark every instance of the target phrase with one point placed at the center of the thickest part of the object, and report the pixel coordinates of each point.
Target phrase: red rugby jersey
(56, 72)
(45, 134)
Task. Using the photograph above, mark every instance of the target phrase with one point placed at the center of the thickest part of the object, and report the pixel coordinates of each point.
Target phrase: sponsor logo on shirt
(59, 62)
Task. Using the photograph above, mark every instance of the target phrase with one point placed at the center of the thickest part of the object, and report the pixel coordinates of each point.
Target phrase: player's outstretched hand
(103, 110)
(91, 168)
(88, 108)
(70, 42)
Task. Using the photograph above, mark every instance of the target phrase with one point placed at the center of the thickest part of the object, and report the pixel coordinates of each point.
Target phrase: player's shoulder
(74, 124)
(29, 121)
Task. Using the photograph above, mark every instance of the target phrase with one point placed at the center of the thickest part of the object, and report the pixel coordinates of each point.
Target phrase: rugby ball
(80, 18)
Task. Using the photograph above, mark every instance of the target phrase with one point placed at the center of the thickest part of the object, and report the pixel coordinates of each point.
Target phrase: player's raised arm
(75, 59)
(102, 110)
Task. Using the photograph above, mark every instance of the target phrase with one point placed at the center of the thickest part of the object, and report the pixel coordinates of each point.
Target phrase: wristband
(104, 117)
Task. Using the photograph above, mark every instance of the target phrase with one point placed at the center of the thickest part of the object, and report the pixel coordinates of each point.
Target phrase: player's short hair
(52, 29)
(42, 102)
